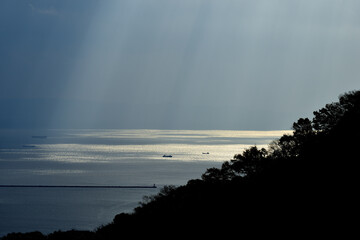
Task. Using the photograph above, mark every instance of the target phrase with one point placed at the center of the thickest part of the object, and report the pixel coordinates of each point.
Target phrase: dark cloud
(188, 64)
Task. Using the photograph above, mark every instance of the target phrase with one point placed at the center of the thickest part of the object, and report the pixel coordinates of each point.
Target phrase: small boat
(205, 153)
(168, 156)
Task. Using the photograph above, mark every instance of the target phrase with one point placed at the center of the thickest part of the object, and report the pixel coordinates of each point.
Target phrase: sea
(58, 159)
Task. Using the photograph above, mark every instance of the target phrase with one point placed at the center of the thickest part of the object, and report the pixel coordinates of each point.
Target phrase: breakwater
(76, 186)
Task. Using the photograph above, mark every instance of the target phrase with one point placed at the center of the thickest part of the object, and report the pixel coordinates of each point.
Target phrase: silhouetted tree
(303, 127)
(326, 118)
(225, 173)
(249, 161)
(284, 147)
(245, 164)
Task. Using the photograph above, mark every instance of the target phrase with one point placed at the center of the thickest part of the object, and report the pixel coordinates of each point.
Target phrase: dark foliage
(305, 182)
(25, 236)
(72, 235)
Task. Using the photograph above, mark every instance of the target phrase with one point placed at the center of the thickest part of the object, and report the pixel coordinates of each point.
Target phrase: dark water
(101, 157)
(28, 209)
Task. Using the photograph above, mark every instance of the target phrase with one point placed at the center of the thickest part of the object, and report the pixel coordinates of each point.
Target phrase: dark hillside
(305, 181)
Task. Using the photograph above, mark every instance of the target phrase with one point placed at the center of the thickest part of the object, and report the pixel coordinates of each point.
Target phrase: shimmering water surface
(102, 157)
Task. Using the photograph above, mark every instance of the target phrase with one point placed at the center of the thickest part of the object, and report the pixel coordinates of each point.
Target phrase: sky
(171, 64)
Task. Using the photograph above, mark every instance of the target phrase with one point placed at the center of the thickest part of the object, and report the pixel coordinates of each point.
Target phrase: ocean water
(102, 157)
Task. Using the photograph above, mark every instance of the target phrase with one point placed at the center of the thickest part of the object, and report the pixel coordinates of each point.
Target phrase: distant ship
(168, 156)
(28, 146)
(41, 137)
(205, 153)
